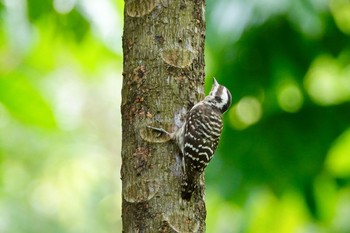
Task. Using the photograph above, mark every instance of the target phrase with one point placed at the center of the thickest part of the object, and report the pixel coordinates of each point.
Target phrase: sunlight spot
(105, 21)
(249, 110)
(44, 198)
(338, 158)
(18, 29)
(341, 219)
(246, 112)
(69, 98)
(289, 97)
(262, 206)
(233, 17)
(225, 216)
(4, 222)
(327, 82)
(340, 10)
(64, 6)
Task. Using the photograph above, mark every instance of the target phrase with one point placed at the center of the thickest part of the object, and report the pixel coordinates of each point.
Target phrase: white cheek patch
(224, 98)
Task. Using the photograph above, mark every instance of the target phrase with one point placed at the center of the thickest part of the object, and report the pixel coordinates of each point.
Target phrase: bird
(199, 135)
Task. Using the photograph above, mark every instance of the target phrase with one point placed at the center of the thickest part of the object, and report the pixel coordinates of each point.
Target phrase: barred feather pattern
(202, 132)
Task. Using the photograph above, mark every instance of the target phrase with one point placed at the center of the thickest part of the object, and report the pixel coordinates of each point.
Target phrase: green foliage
(24, 101)
(38, 9)
(74, 24)
(55, 145)
(287, 129)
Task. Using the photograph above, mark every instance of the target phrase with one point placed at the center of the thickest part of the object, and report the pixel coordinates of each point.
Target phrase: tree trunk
(163, 77)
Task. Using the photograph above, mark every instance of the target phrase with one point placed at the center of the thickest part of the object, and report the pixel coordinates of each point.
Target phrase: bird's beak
(215, 82)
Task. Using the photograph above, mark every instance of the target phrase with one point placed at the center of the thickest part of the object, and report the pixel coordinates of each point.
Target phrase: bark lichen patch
(135, 106)
(180, 58)
(159, 39)
(139, 8)
(149, 115)
(129, 44)
(140, 158)
(180, 79)
(141, 190)
(137, 76)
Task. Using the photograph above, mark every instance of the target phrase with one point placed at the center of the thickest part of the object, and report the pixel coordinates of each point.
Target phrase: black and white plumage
(199, 136)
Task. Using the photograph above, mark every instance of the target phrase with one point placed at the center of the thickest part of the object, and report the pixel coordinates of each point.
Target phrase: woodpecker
(199, 136)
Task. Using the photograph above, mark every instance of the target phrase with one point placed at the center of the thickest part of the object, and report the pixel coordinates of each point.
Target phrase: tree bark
(163, 77)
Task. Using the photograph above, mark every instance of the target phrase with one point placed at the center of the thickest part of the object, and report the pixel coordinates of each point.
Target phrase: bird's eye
(218, 98)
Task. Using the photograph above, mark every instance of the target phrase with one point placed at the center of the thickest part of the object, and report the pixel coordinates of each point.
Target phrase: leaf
(24, 101)
(38, 8)
(338, 158)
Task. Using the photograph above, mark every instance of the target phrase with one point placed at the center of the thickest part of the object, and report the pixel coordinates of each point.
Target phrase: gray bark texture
(163, 77)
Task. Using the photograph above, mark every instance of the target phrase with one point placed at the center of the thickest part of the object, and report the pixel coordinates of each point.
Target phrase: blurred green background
(283, 164)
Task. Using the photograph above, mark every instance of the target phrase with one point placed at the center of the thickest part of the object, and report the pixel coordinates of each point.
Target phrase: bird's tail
(187, 188)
